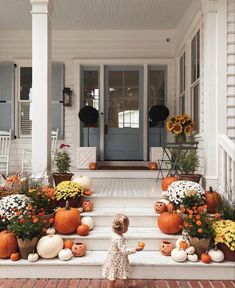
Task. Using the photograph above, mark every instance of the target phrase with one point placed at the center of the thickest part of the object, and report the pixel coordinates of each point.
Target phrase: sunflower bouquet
(180, 126)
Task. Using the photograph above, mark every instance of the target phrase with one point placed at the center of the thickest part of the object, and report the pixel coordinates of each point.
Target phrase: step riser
(135, 221)
(124, 174)
(123, 203)
(138, 272)
(102, 244)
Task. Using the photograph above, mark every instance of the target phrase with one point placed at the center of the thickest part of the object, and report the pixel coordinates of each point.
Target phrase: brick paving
(100, 283)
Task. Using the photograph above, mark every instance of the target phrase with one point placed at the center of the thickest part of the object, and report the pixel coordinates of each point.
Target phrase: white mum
(9, 204)
(176, 191)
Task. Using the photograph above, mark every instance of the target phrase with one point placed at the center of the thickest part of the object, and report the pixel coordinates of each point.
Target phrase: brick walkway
(97, 283)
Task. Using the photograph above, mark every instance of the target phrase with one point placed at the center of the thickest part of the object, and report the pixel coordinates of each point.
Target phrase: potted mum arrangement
(63, 163)
(28, 227)
(180, 126)
(71, 191)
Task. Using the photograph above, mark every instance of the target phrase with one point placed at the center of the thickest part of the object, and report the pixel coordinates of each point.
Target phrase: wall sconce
(67, 96)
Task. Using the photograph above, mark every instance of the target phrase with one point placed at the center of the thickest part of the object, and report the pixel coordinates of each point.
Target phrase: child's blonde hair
(119, 222)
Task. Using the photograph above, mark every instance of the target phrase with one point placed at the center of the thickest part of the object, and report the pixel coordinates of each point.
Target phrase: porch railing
(227, 167)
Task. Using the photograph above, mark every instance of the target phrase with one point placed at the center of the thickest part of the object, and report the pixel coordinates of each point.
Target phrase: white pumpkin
(33, 257)
(84, 181)
(193, 257)
(179, 255)
(216, 255)
(177, 244)
(65, 254)
(50, 231)
(165, 201)
(190, 250)
(49, 246)
(88, 221)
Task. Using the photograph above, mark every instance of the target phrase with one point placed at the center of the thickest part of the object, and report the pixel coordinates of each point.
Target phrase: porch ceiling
(98, 14)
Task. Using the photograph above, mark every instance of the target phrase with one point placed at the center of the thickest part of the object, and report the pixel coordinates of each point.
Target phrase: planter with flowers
(225, 238)
(71, 191)
(180, 126)
(62, 161)
(28, 227)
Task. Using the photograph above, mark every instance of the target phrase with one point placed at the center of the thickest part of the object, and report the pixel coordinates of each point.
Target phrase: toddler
(116, 265)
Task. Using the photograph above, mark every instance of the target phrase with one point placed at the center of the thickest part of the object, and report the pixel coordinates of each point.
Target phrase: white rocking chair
(5, 143)
(26, 161)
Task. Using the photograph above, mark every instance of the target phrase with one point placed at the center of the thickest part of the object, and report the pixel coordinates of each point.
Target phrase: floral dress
(116, 265)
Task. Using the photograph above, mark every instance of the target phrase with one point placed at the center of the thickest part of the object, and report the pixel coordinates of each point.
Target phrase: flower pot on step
(60, 177)
(27, 246)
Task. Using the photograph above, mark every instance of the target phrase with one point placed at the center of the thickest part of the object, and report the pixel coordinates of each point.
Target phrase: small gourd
(190, 250)
(193, 257)
(88, 221)
(50, 231)
(179, 255)
(33, 257)
(180, 241)
(65, 254)
(216, 255)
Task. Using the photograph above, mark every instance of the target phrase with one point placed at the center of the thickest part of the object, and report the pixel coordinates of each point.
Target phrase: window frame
(182, 93)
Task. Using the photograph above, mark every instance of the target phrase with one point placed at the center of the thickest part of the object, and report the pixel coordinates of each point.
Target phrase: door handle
(3, 101)
(105, 129)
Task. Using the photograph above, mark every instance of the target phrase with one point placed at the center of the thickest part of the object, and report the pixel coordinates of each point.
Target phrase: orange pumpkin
(170, 207)
(167, 181)
(49, 191)
(87, 206)
(183, 245)
(8, 244)
(170, 223)
(67, 219)
(205, 258)
(141, 245)
(68, 244)
(152, 166)
(213, 201)
(92, 166)
(83, 230)
(87, 193)
(15, 256)
(160, 207)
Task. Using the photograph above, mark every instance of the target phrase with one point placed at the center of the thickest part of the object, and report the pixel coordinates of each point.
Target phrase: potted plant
(188, 164)
(28, 227)
(225, 237)
(69, 190)
(63, 163)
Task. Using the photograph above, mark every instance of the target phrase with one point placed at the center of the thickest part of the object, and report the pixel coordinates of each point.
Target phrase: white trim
(102, 106)
(145, 113)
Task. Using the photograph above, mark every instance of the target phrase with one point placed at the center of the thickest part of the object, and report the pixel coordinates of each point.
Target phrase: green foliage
(192, 199)
(63, 160)
(188, 163)
(227, 209)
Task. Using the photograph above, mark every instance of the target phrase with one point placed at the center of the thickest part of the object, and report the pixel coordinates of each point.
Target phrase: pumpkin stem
(67, 205)
(210, 189)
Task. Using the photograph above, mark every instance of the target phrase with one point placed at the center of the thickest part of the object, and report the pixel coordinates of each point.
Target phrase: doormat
(123, 168)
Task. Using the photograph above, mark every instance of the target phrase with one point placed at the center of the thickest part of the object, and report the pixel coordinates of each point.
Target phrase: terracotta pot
(79, 249)
(200, 245)
(27, 246)
(166, 247)
(152, 166)
(160, 207)
(47, 218)
(60, 177)
(228, 254)
(92, 166)
(87, 206)
(73, 202)
(191, 177)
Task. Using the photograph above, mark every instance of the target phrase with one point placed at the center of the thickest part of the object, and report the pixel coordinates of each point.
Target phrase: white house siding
(15, 46)
(231, 70)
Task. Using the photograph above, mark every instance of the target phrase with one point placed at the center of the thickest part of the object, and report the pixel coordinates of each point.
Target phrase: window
(195, 79)
(26, 96)
(182, 85)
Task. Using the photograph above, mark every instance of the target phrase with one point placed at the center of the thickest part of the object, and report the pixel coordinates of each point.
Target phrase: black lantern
(67, 96)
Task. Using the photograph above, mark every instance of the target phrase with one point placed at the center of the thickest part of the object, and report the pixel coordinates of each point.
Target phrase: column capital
(42, 6)
(209, 6)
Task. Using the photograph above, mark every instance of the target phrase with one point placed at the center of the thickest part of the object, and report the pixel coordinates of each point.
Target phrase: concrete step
(139, 217)
(98, 238)
(145, 265)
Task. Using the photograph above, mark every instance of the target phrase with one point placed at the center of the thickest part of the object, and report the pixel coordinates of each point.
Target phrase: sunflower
(169, 125)
(177, 128)
(188, 130)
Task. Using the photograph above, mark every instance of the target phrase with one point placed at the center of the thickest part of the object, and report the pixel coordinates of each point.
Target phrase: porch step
(152, 174)
(98, 239)
(145, 265)
(144, 217)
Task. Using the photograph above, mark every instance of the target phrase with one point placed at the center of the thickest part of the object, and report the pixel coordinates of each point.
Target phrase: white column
(41, 85)
(214, 92)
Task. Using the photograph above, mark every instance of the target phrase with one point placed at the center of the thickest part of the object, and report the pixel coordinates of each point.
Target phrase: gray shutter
(7, 92)
(57, 96)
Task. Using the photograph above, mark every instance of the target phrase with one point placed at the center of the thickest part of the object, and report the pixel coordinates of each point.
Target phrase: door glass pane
(25, 82)
(91, 89)
(123, 109)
